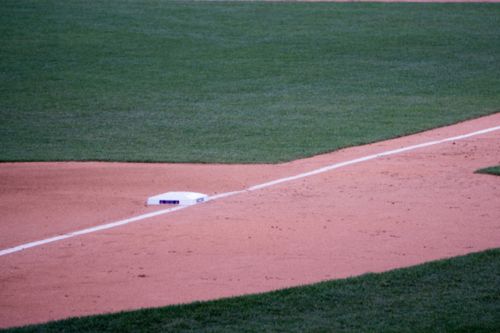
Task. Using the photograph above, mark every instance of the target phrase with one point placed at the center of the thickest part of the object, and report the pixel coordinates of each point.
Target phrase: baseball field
(350, 153)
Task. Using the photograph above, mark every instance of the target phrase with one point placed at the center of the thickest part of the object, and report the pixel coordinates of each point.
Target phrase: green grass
(455, 295)
(494, 170)
(236, 82)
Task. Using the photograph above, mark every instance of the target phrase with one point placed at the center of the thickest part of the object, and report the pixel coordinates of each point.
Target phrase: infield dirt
(391, 212)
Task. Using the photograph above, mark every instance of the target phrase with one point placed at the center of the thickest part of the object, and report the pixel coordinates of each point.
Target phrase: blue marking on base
(169, 202)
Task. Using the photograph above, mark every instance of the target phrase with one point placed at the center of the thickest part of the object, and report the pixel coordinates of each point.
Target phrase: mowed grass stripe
(455, 295)
(236, 81)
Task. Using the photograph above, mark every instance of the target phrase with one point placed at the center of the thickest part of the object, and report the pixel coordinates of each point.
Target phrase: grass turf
(494, 170)
(455, 295)
(236, 81)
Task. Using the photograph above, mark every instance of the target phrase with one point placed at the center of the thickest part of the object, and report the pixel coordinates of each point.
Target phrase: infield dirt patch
(374, 216)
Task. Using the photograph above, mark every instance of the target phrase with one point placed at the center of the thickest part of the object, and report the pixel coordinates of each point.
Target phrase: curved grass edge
(460, 294)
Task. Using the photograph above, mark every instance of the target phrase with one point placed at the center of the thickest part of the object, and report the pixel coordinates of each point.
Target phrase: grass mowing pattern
(456, 295)
(494, 170)
(236, 81)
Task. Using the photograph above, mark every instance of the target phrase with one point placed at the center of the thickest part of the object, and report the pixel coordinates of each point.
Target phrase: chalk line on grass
(249, 189)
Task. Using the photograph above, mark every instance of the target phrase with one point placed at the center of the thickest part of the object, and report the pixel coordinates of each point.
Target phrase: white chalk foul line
(89, 230)
(250, 189)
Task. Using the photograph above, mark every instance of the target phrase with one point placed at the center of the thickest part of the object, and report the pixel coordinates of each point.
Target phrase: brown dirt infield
(391, 212)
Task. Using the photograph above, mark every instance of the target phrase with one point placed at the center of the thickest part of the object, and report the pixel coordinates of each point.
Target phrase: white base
(177, 198)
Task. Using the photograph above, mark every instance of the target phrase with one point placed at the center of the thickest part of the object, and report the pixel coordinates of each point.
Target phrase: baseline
(249, 189)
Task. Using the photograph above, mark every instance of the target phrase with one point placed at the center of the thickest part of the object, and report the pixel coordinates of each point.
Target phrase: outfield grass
(456, 295)
(236, 82)
(494, 170)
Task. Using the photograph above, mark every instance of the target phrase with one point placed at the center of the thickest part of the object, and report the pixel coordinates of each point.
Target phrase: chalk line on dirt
(249, 189)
